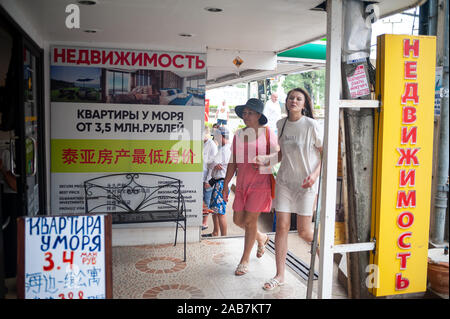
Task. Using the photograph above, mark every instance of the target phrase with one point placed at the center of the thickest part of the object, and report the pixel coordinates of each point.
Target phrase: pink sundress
(253, 188)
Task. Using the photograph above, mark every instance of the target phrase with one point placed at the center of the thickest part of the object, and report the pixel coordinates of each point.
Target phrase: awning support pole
(330, 147)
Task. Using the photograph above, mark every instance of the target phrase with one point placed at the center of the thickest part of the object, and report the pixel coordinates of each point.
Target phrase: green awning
(307, 51)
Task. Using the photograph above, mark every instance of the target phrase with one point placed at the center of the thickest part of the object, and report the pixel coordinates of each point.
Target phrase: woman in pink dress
(253, 185)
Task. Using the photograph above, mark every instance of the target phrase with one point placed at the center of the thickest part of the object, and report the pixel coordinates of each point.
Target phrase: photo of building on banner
(125, 111)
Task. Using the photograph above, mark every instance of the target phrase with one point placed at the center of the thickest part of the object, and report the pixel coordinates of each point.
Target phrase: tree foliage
(313, 82)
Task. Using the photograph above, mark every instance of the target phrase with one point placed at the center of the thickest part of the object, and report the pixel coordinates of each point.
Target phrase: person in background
(272, 111)
(7, 178)
(253, 193)
(9, 183)
(9, 214)
(209, 151)
(219, 163)
(222, 114)
(296, 189)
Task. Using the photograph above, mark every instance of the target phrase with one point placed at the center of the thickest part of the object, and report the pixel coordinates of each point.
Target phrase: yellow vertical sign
(402, 163)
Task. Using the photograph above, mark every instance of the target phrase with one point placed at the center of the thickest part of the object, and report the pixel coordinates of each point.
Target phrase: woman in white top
(209, 152)
(297, 179)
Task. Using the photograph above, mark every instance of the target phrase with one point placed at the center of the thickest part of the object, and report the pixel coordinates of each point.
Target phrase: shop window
(118, 82)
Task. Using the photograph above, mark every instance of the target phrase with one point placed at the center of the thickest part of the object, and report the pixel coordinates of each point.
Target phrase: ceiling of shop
(242, 25)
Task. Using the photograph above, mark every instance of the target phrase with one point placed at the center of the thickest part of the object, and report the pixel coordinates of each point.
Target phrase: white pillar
(330, 147)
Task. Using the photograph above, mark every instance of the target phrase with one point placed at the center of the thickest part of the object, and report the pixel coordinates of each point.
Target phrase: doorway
(22, 161)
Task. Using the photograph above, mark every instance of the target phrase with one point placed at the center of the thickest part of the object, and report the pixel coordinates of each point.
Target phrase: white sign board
(357, 83)
(64, 257)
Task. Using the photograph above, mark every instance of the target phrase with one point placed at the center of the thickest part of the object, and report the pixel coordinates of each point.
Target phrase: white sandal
(272, 284)
(261, 249)
(241, 270)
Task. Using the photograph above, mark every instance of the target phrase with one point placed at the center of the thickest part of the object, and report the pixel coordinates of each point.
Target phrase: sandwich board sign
(64, 257)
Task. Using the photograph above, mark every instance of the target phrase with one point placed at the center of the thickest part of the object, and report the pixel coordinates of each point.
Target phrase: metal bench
(137, 198)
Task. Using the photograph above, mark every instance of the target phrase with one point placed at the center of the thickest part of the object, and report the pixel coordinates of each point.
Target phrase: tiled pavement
(142, 272)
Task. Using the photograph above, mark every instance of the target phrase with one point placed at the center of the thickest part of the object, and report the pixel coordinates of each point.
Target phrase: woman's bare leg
(222, 224)
(251, 230)
(239, 218)
(281, 244)
(305, 228)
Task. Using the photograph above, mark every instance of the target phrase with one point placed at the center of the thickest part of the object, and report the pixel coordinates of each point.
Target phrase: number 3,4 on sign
(67, 257)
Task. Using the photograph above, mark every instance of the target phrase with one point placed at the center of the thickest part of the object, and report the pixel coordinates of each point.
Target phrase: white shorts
(288, 201)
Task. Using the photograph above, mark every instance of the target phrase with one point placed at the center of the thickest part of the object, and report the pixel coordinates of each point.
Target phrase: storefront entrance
(21, 135)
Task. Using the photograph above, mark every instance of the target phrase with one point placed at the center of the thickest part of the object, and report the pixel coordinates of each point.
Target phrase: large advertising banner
(403, 163)
(116, 111)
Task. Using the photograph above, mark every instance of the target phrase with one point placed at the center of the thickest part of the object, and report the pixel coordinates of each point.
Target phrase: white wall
(232, 94)
(138, 234)
(25, 20)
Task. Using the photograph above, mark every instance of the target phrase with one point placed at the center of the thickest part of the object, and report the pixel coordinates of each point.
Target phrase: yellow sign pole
(402, 163)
